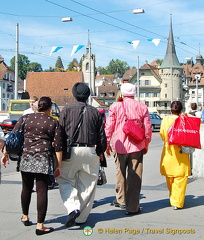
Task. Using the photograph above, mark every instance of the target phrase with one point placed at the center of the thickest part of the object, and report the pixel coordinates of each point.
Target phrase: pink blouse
(116, 119)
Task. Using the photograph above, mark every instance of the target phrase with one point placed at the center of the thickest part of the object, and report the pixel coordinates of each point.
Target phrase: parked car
(155, 121)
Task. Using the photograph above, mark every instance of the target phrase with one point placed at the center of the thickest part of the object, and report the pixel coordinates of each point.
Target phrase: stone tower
(88, 68)
(170, 72)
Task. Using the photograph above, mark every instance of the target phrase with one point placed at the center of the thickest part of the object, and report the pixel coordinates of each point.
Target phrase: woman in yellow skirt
(174, 164)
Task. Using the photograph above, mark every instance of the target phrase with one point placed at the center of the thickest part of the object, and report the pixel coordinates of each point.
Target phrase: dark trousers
(129, 179)
(42, 181)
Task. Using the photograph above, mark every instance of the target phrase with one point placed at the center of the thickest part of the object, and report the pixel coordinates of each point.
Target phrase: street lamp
(66, 19)
(138, 10)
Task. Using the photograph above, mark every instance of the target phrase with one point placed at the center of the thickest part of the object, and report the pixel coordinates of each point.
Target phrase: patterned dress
(42, 137)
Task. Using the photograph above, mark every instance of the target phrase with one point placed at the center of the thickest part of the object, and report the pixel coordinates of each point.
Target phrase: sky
(110, 24)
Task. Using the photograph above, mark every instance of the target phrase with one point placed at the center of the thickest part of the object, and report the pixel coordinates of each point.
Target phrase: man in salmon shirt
(128, 154)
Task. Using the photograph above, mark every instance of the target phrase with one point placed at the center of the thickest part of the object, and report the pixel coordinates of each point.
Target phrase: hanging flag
(76, 48)
(134, 43)
(156, 41)
(54, 49)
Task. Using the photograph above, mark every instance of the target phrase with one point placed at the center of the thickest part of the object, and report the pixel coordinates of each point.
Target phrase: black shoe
(71, 218)
(42, 232)
(133, 213)
(26, 222)
(116, 204)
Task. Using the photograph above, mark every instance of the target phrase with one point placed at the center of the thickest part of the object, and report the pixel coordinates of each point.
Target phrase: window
(87, 67)
(3, 85)
(165, 95)
(102, 94)
(19, 106)
(147, 103)
(165, 104)
(111, 94)
(165, 85)
(142, 95)
(147, 82)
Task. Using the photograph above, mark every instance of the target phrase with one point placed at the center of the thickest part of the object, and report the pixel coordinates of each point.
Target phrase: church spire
(170, 59)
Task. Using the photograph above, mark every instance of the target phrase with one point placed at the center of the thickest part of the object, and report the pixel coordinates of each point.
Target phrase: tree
(117, 66)
(73, 65)
(34, 67)
(23, 64)
(59, 65)
(50, 69)
(101, 70)
(159, 61)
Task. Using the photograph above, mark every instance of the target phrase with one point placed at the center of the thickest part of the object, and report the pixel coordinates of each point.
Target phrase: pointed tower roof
(170, 59)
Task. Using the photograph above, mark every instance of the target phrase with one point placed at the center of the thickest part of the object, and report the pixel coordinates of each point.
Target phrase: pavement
(157, 219)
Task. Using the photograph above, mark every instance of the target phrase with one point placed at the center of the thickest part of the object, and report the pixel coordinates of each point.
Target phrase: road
(157, 220)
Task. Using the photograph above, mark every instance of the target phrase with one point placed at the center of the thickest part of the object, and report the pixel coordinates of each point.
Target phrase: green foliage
(59, 65)
(34, 67)
(23, 65)
(159, 61)
(80, 63)
(50, 69)
(115, 66)
(101, 70)
(72, 65)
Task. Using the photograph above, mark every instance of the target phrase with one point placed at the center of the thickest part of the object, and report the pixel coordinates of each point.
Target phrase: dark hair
(193, 106)
(44, 104)
(176, 107)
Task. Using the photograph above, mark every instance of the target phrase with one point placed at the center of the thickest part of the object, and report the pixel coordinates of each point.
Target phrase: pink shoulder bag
(132, 130)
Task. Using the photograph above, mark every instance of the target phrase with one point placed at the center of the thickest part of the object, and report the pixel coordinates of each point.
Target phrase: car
(155, 121)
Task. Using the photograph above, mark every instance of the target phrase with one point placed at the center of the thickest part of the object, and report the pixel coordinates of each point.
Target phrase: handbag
(101, 176)
(185, 131)
(68, 149)
(14, 143)
(132, 130)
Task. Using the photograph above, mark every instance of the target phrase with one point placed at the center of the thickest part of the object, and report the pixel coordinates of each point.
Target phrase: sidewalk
(157, 220)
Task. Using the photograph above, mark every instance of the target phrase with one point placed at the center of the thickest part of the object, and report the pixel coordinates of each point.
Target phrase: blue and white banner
(156, 41)
(76, 48)
(134, 43)
(54, 49)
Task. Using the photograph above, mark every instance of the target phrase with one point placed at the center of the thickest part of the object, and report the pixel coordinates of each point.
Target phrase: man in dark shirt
(79, 174)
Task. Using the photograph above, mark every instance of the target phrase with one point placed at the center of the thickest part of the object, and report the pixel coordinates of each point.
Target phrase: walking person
(193, 109)
(79, 174)
(128, 154)
(41, 133)
(33, 101)
(174, 165)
